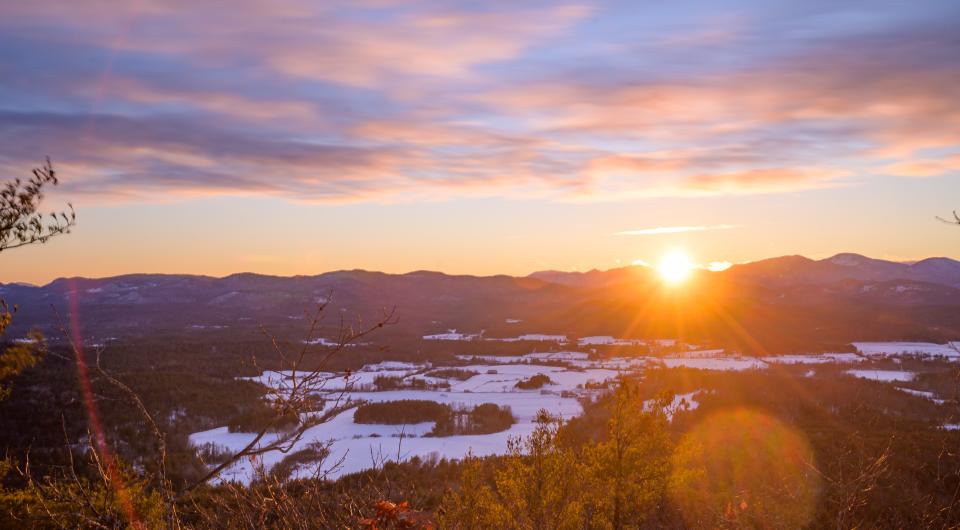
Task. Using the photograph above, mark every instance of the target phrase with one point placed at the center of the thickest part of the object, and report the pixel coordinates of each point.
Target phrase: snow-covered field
(451, 335)
(608, 340)
(883, 375)
(920, 349)
(573, 375)
(822, 358)
(536, 337)
(361, 446)
(715, 363)
(455, 335)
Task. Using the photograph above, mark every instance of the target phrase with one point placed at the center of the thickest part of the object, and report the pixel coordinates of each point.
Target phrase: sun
(675, 267)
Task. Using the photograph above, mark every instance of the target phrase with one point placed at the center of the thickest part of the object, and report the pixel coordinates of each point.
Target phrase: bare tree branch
(293, 397)
(954, 221)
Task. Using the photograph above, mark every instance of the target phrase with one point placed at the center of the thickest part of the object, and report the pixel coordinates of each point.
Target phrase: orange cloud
(926, 167)
(762, 180)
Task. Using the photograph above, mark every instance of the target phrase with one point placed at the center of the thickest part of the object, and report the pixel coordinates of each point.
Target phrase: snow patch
(883, 375)
(715, 363)
(922, 393)
(451, 334)
(920, 349)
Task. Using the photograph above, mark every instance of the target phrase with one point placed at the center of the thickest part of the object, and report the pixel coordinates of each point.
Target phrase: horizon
(700, 267)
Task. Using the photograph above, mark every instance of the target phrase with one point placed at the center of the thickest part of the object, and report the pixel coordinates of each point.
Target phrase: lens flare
(113, 474)
(744, 469)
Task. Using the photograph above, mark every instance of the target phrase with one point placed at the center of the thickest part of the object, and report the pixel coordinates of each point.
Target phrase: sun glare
(675, 267)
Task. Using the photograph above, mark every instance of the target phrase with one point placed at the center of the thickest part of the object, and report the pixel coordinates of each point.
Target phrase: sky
(297, 137)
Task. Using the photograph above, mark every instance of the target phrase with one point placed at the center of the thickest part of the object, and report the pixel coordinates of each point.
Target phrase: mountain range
(787, 303)
(794, 270)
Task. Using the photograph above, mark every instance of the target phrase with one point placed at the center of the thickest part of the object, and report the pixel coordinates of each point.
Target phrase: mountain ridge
(849, 261)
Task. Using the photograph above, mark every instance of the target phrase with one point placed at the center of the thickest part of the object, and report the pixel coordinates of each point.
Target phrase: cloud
(803, 120)
(220, 102)
(366, 44)
(762, 179)
(717, 266)
(396, 100)
(138, 157)
(929, 167)
(673, 230)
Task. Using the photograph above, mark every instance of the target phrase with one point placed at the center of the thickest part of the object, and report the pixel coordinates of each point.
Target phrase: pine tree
(628, 471)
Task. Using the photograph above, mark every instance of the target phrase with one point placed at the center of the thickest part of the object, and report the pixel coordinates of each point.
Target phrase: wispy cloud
(402, 99)
(713, 266)
(718, 266)
(673, 230)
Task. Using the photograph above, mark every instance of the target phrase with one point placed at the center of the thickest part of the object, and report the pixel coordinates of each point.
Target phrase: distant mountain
(780, 304)
(787, 270)
(595, 278)
(144, 303)
(795, 270)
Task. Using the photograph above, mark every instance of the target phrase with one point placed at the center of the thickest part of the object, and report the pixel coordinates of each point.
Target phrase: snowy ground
(920, 349)
(361, 446)
(597, 340)
(715, 363)
(922, 393)
(572, 375)
(607, 340)
(451, 335)
(883, 375)
(822, 358)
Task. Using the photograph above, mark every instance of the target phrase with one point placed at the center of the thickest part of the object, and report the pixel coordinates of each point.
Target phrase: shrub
(453, 373)
(534, 382)
(483, 419)
(400, 412)
(388, 382)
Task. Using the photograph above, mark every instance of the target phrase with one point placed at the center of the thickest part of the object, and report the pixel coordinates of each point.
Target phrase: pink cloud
(316, 40)
(770, 179)
(428, 115)
(928, 167)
